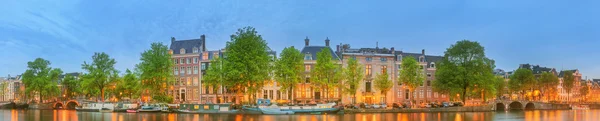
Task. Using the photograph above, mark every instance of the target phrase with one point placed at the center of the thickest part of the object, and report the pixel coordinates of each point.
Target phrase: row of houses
(192, 58)
(593, 85)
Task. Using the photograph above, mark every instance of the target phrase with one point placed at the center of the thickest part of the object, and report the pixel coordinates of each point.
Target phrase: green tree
(384, 84)
(128, 86)
(100, 73)
(40, 78)
(3, 89)
(463, 66)
(522, 79)
(156, 72)
(214, 75)
(500, 85)
(353, 74)
(549, 84)
(248, 62)
(289, 69)
(568, 83)
(584, 91)
(72, 86)
(411, 75)
(326, 73)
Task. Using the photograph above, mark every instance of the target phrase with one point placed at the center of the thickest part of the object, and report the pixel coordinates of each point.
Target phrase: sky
(551, 33)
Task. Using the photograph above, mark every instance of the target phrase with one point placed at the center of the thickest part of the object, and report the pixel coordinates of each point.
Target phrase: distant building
(13, 90)
(305, 92)
(186, 57)
(423, 93)
(563, 93)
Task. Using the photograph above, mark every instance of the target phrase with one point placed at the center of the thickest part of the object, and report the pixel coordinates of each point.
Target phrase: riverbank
(423, 110)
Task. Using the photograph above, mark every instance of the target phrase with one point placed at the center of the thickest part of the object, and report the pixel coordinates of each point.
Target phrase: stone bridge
(66, 104)
(501, 105)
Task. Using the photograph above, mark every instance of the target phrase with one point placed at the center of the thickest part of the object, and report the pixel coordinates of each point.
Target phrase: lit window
(368, 70)
(307, 68)
(383, 69)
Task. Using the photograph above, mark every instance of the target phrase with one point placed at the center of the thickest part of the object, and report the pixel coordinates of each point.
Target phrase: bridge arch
(58, 105)
(500, 107)
(515, 105)
(530, 106)
(71, 104)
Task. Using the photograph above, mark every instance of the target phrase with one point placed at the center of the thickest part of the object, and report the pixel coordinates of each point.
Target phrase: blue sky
(559, 34)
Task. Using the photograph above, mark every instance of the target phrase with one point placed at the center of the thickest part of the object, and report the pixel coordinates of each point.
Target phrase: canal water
(72, 115)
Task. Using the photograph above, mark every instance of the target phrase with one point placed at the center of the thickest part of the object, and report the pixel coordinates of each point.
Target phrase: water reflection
(71, 115)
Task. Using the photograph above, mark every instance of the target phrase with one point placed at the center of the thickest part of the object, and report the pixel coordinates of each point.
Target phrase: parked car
(460, 104)
(383, 105)
(450, 104)
(425, 105)
(397, 106)
(376, 106)
(445, 104)
(434, 105)
(351, 106)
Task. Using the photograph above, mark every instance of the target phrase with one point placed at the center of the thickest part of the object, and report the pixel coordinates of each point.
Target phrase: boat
(106, 110)
(123, 107)
(206, 108)
(150, 108)
(94, 107)
(131, 111)
(251, 109)
(274, 110)
(580, 107)
(316, 109)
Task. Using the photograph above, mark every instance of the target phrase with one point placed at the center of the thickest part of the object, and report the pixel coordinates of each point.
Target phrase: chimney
(423, 51)
(203, 39)
(172, 39)
(327, 42)
(306, 41)
(392, 50)
(337, 48)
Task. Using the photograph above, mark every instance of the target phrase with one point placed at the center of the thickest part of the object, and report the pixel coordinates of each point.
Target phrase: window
(176, 81)
(369, 59)
(195, 81)
(189, 81)
(205, 56)
(181, 51)
(383, 69)
(195, 50)
(421, 59)
(176, 61)
(181, 70)
(428, 83)
(195, 60)
(265, 94)
(368, 86)
(188, 61)
(307, 80)
(383, 59)
(181, 81)
(428, 93)
(307, 56)
(270, 94)
(432, 65)
(278, 94)
(307, 68)
(421, 93)
(435, 95)
(429, 75)
(203, 66)
(195, 69)
(175, 71)
(368, 70)
(189, 70)
(181, 61)
(406, 94)
(399, 57)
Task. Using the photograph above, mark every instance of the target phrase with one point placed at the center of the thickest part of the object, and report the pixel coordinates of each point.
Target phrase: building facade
(563, 94)
(186, 58)
(423, 93)
(306, 91)
(375, 61)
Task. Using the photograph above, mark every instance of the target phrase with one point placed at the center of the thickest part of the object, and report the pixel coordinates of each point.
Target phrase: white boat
(580, 107)
(273, 109)
(95, 107)
(154, 108)
(319, 108)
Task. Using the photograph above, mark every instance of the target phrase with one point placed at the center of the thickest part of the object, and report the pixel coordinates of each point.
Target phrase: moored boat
(131, 111)
(580, 107)
(123, 107)
(206, 108)
(251, 109)
(94, 107)
(106, 110)
(319, 108)
(274, 110)
(150, 108)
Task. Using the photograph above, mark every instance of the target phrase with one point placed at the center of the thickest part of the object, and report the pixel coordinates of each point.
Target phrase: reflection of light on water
(238, 117)
(458, 117)
(422, 116)
(14, 115)
(439, 116)
(173, 117)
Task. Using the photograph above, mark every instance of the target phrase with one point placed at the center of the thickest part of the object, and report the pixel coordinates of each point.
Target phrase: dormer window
(195, 50)
(307, 56)
(432, 65)
(421, 59)
(181, 51)
(399, 58)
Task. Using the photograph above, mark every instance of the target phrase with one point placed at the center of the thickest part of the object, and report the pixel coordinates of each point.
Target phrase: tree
(411, 75)
(248, 62)
(3, 89)
(289, 69)
(384, 84)
(72, 86)
(584, 91)
(568, 83)
(549, 83)
(156, 72)
(100, 73)
(326, 73)
(128, 85)
(500, 85)
(353, 74)
(214, 75)
(463, 66)
(522, 79)
(40, 78)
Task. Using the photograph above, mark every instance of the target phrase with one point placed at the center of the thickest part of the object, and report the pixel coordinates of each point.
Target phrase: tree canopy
(129, 85)
(72, 85)
(568, 83)
(326, 73)
(156, 72)
(383, 83)
(248, 62)
(411, 75)
(289, 69)
(353, 74)
(463, 66)
(100, 73)
(40, 78)
(549, 84)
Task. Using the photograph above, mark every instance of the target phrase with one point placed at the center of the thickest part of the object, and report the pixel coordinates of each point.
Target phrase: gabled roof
(428, 58)
(537, 69)
(562, 73)
(313, 50)
(188, 45)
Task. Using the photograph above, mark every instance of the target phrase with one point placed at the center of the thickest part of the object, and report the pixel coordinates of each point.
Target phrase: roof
(188, 45)
(562, 73)
(313, 50)
(537, 69)
(74, 74)
(428, 58)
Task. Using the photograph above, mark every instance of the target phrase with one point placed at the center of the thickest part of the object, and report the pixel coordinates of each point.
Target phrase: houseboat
(94, 107)
(123, 107)
(205, 108)
(154, 108)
